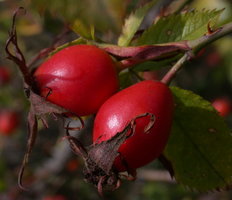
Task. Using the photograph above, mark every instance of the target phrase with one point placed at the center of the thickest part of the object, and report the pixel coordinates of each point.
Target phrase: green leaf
(104, 15)
(83, 30)
(133, 23)
(200, 144)
(177, 27)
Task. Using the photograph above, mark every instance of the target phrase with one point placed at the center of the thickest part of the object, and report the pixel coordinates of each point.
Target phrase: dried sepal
(99, 157)
(39, 107)
(32, 134)
(76, 145)
(17, 56)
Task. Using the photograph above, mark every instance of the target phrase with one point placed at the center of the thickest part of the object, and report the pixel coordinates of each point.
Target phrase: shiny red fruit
(9, 121)
(223, 106)
(4, 75)
(80, 78)
(144, 97)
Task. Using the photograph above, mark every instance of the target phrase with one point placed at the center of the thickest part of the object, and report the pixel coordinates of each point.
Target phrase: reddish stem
(173, 71)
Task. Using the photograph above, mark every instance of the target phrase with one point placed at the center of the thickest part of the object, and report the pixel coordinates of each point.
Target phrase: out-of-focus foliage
(133, 23)
(177, 27)
(212, 4)
(105, 15)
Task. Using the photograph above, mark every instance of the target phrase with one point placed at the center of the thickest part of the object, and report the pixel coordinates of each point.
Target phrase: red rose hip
(79, 78)
(4, 75)
(144, 97)
(9, 121)
(223, 106)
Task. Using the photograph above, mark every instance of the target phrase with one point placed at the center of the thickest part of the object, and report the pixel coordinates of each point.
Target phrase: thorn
(210, 31)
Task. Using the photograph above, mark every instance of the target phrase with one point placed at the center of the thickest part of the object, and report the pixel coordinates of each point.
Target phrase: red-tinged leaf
(138, 54)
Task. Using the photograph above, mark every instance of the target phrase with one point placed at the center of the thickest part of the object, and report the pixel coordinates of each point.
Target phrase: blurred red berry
(213, 59)
(4, 75)
(72, 165)
(9, 121)
(222, 105)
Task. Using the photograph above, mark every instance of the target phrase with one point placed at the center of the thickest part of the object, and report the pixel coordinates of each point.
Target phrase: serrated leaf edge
(207, 12)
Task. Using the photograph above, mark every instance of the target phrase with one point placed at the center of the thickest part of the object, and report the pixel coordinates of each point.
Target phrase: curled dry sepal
(99, 158)
(39, 106)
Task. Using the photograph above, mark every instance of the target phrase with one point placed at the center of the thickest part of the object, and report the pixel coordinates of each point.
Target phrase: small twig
(196, 45)
(173, 71)
(201, 42)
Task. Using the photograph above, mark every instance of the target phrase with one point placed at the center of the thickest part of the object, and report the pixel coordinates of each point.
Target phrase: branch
(195, 46)
(173, 71)
(201, 42)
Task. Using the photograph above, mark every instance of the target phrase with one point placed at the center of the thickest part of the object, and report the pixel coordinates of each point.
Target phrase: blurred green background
(53, 169)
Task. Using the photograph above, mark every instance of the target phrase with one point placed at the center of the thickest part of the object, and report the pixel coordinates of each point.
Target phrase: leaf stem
(172, 72)
(195, 46)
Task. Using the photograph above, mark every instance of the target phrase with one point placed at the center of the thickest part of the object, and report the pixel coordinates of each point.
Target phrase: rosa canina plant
(145, 120)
